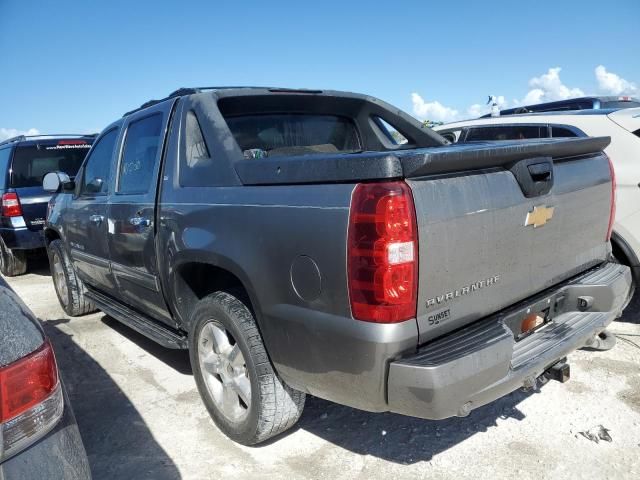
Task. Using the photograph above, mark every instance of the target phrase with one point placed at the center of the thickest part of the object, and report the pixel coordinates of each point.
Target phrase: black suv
(23, 162)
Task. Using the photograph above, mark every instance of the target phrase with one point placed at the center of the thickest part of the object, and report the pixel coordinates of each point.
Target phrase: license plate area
(533, 317)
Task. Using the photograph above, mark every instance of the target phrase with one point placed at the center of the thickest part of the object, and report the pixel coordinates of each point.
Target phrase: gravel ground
(141, 417)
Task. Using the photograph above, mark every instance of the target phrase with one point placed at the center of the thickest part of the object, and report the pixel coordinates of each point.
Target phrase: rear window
(511, 132)
(293, 134)
(562, 132)
(619, 104)
(32, 162)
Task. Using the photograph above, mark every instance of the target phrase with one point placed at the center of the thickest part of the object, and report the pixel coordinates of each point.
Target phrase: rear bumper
(22, 238)
(481, 363)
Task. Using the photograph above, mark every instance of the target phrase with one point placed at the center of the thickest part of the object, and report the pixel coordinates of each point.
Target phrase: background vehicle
(622, 125)
(24, 160)
(39, 437)
(294, 246)
(581, 103)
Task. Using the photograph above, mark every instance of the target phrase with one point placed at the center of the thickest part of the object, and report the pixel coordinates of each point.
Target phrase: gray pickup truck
(302, 241)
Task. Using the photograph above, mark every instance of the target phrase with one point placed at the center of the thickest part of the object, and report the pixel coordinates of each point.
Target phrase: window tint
(97, 169)
(391, 132)
(562, 132)
(581, 105)
(32, 162)
(196, 167)
(510, 132)
(293, 134)
(197, 152)
(139, 156)
(5, 153)
(620, 104)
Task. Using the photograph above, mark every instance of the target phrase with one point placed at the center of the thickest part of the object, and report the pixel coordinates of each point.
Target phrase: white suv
(623, 126)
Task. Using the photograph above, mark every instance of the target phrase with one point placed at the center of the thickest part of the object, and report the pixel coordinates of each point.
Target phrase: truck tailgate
(479, 250)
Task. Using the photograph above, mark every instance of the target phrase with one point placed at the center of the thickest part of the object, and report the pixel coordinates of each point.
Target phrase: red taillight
(27, 382)
(31, 400)
(382, 253)
(612, 215)
(72, 142)
(11, 205)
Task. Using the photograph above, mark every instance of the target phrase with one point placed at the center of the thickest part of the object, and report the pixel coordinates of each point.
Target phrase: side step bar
(164, 335)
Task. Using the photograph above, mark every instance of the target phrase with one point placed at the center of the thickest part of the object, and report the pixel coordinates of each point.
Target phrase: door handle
(139, 221)
(97, 219)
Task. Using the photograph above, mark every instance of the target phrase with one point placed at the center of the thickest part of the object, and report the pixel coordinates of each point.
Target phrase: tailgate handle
(534, 175)
(540, 172)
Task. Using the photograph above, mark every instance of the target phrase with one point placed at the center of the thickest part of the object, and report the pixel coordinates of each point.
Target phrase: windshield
(293, 134)
(32, 162)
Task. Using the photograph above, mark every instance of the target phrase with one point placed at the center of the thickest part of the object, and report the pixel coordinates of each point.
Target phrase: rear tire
(12, 262)
(243, 394)
(69, 288)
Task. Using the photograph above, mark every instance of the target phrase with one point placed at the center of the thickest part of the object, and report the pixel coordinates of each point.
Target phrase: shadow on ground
(118, 442)
(397, 438)
(405, 440)
(631, 314)
(176, 359)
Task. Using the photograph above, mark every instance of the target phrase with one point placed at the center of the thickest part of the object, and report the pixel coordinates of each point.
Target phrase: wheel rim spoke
(223, 368)
(230, 403)
(59, 279)
(242, 387)
(211, 363)
(235, 357)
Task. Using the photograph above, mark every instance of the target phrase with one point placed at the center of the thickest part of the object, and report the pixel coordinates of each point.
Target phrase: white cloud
(12, 132)
(613, 84)
(548, 87)
(433, 111)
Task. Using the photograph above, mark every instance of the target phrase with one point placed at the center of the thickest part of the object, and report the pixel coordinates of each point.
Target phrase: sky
(73, 66)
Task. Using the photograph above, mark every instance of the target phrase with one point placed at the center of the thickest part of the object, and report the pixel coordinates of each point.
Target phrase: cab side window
(97, 168)
(139, 157)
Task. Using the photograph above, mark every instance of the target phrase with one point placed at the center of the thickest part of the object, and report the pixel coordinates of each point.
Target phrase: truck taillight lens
(31, 401)
(612, 215)
(11, 205)
(382, 253)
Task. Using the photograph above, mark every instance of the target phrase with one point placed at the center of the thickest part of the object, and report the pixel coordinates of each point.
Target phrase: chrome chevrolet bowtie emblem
(539, 216)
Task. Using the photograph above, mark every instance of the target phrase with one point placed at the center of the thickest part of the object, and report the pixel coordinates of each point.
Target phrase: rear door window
(293, 134)
(32, 162)
(139, 155)
(506, 132)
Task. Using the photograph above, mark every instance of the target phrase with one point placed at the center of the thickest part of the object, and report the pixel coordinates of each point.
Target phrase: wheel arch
(195, 278)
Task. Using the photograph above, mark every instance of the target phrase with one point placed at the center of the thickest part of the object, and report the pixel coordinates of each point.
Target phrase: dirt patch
(631, 396)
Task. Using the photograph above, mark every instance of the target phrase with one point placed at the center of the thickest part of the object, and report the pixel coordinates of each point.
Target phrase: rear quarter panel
(287, 244)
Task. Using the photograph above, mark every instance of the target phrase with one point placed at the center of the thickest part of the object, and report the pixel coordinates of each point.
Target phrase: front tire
(12, 262)
(69, 288)
(243, 394)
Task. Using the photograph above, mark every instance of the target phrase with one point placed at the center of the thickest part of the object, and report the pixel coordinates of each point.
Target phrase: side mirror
(94, 186)
(53, 182)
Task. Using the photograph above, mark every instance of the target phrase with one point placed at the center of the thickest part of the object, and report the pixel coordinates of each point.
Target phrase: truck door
(131, 228)
(86, 217)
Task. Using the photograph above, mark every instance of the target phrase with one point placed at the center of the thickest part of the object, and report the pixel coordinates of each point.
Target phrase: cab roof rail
(181, 92)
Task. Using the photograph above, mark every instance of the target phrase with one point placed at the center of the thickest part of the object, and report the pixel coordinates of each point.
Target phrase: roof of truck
(54, 137)
(244, 90)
